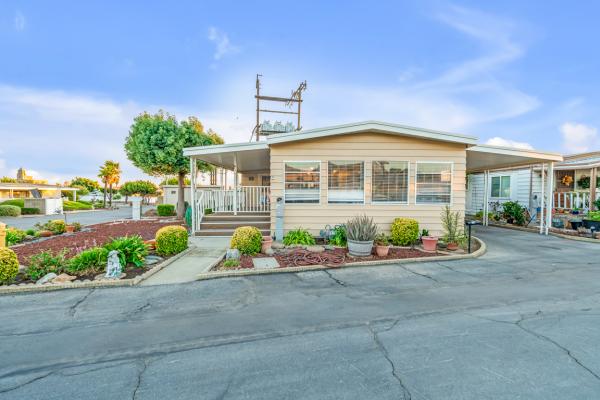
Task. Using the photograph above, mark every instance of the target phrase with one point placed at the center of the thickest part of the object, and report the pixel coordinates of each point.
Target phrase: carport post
(235, 185)
(193, 193)
(550, 197)
(486, 200)
(542, 195)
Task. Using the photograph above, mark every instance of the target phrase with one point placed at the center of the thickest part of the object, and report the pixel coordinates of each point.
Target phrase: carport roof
(484, 157)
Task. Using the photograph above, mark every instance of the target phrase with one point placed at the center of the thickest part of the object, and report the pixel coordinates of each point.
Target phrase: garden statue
(113, 265)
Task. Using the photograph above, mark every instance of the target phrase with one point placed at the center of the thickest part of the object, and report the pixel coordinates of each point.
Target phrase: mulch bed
(130, 273)
(91, 236)
(331, 258)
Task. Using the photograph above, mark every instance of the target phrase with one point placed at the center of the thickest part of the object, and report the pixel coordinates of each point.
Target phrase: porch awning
(483, 157)
(252, 156)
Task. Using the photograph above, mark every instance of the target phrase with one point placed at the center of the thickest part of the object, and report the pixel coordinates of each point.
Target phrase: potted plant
(69, 228)
(576, 223)
(451, 228)
(592, 221)
(361, 232)
(382, 245)
(266, 243)
(429, 242)
(575, 211)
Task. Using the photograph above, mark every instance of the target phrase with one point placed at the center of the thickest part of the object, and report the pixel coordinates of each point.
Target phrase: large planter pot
(360, 249)
(576, 224)
(70, 229)
(266, 243)
(589, 224)
(429, 243)
(452, 246)
(382, 251)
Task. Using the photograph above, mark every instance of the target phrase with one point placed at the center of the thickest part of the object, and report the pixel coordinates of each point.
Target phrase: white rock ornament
(113, 265)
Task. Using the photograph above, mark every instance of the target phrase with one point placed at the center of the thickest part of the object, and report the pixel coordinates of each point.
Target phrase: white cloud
(498, 141)
(579, 138)
(19, 21)
(223, 45)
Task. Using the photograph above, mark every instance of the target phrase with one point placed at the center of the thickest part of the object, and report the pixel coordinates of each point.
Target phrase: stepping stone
(315, 249)
(265, 263)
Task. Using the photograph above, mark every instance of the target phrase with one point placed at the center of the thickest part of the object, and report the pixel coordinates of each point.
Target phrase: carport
(484, 159)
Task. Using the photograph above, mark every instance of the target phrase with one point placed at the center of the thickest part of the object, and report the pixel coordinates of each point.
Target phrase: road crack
(37, 378)
(144, 366)
(73, 308)
(406, 395)
(418, 274)
(336, 280)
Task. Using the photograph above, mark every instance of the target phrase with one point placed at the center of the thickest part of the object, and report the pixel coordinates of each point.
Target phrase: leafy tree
(7, 179)
(87, 183)
(155, 145)
(110, 174)
(140, 188)
(174, 181)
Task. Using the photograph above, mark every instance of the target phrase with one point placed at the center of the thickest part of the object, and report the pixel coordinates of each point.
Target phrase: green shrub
(13, 202)
(56, 226)
(593, 215)
(132, 250)
(165, 210)
(513, 210)
(76, 226)
(30, 232)
(247, 239)
(93, 259)
(171, 240)
(30, 211)
(231, 263)
(9, 211)
(69, 205)
(298, 236)
(14, 236)
(9, 265)
(208, 211)
(361, 228)
(45, 262)
(338, 238)
(404, 231)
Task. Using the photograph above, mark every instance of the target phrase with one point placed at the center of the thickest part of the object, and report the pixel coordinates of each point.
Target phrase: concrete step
(266, 224)
(240, 214)
(245, 218)
(225, 232)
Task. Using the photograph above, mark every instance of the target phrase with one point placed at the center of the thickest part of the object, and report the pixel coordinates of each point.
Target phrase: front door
(266, 180)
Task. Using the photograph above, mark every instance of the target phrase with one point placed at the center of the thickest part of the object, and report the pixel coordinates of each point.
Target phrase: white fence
(570, 200)
(247, 199)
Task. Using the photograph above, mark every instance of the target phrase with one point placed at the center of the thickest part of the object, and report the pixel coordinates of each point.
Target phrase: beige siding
(366, 147)
(253, 179)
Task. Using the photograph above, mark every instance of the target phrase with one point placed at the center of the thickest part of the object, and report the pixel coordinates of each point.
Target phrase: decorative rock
(46, 278)
(315, 249)
(22, 268)
(232, 254)
(151, 260)
(329, 247)
(64, 278)
(277, 245)
(269, 252)
(265, 263)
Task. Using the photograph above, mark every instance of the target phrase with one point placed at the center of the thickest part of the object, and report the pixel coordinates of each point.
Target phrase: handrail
(249, 199)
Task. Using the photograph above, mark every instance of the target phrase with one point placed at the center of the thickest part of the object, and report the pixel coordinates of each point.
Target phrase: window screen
(390, 182)
(302, 181)
(434, 183)
(501, 186)
(346, 183)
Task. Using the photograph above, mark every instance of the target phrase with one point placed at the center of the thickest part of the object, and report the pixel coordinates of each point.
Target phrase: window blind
(346, 182)
(390, 181)
(302, 181)
(434, 183)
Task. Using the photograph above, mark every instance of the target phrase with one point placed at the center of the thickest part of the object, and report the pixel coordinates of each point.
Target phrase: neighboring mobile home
(326, 176)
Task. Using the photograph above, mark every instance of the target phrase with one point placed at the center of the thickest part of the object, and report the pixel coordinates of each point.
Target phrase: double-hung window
(346, 182)
(501, 186)
(390, 182)
(302, 181)
(434, 182)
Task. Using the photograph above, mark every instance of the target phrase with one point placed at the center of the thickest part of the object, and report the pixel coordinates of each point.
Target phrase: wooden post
(235, 185)
(593, 188)
(2, 235)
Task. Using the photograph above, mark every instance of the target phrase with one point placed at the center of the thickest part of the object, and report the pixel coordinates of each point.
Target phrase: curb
(247, 272)
(33, 288)
(536, 230)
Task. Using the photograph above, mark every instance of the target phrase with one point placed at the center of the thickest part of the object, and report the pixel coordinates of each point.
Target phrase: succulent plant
(361, 228)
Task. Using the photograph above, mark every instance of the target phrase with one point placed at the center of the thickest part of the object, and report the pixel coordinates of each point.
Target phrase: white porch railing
(249, 199)
(570, 200)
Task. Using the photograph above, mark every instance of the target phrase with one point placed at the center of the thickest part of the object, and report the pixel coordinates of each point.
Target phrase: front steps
(224, 223)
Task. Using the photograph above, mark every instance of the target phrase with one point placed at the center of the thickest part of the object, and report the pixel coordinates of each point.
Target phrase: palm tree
(110, 173)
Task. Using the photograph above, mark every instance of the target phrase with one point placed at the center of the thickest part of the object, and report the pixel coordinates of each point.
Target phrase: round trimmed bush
(9, 265)
(56, 226)
(404, 231)
(171, 240)
(9, 211)
(247, 239)
(30, 211)
(165, 210)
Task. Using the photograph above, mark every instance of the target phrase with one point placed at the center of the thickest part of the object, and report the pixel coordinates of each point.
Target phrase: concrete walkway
(205, 251)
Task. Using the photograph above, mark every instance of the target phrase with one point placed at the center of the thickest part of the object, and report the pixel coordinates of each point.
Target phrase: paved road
(83, 217)
(521, 322)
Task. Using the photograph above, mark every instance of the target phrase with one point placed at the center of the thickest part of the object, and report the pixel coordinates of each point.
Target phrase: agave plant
(361, 229)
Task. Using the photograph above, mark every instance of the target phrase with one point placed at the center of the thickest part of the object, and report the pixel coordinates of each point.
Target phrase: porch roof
(484, 157)
(251, 156)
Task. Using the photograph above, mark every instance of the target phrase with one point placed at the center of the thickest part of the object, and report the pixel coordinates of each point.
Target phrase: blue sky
(74, 74)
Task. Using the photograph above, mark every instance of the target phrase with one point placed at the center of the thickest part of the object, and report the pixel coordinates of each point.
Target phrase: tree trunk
(181, 195)
(104, 203)
(110, 196)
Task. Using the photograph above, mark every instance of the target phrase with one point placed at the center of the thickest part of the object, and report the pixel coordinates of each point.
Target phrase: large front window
(390, 182)
(501, 186)
(434, 182)
(302, 181)
(346, 183)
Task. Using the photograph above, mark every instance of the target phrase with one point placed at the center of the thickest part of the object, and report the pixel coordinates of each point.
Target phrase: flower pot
(70, 229)
(359, 248)
(266, 243)
(45, 233)
(382, 251)
(151, 244)
(452, 246)
(429, 243)
(576, 224)
(591, 224)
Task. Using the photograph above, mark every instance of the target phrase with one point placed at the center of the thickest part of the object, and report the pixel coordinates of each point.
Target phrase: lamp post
(470, 224)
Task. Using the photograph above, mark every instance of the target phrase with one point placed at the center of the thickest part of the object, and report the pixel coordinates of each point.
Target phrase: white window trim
(364, 202)
(451, 182)
(320, 182)
(509, 188)
(397, 203)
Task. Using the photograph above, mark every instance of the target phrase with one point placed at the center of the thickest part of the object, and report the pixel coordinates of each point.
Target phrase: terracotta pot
(452, 246)
(266, 243)
(151, 244)
(382, 251)
(70, 229)
(45, 233)
(429, 243)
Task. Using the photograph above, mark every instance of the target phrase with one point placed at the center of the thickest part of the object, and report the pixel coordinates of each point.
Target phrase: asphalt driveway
(521, 322)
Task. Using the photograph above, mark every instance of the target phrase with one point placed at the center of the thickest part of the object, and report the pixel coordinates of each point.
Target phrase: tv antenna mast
(267, 128)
